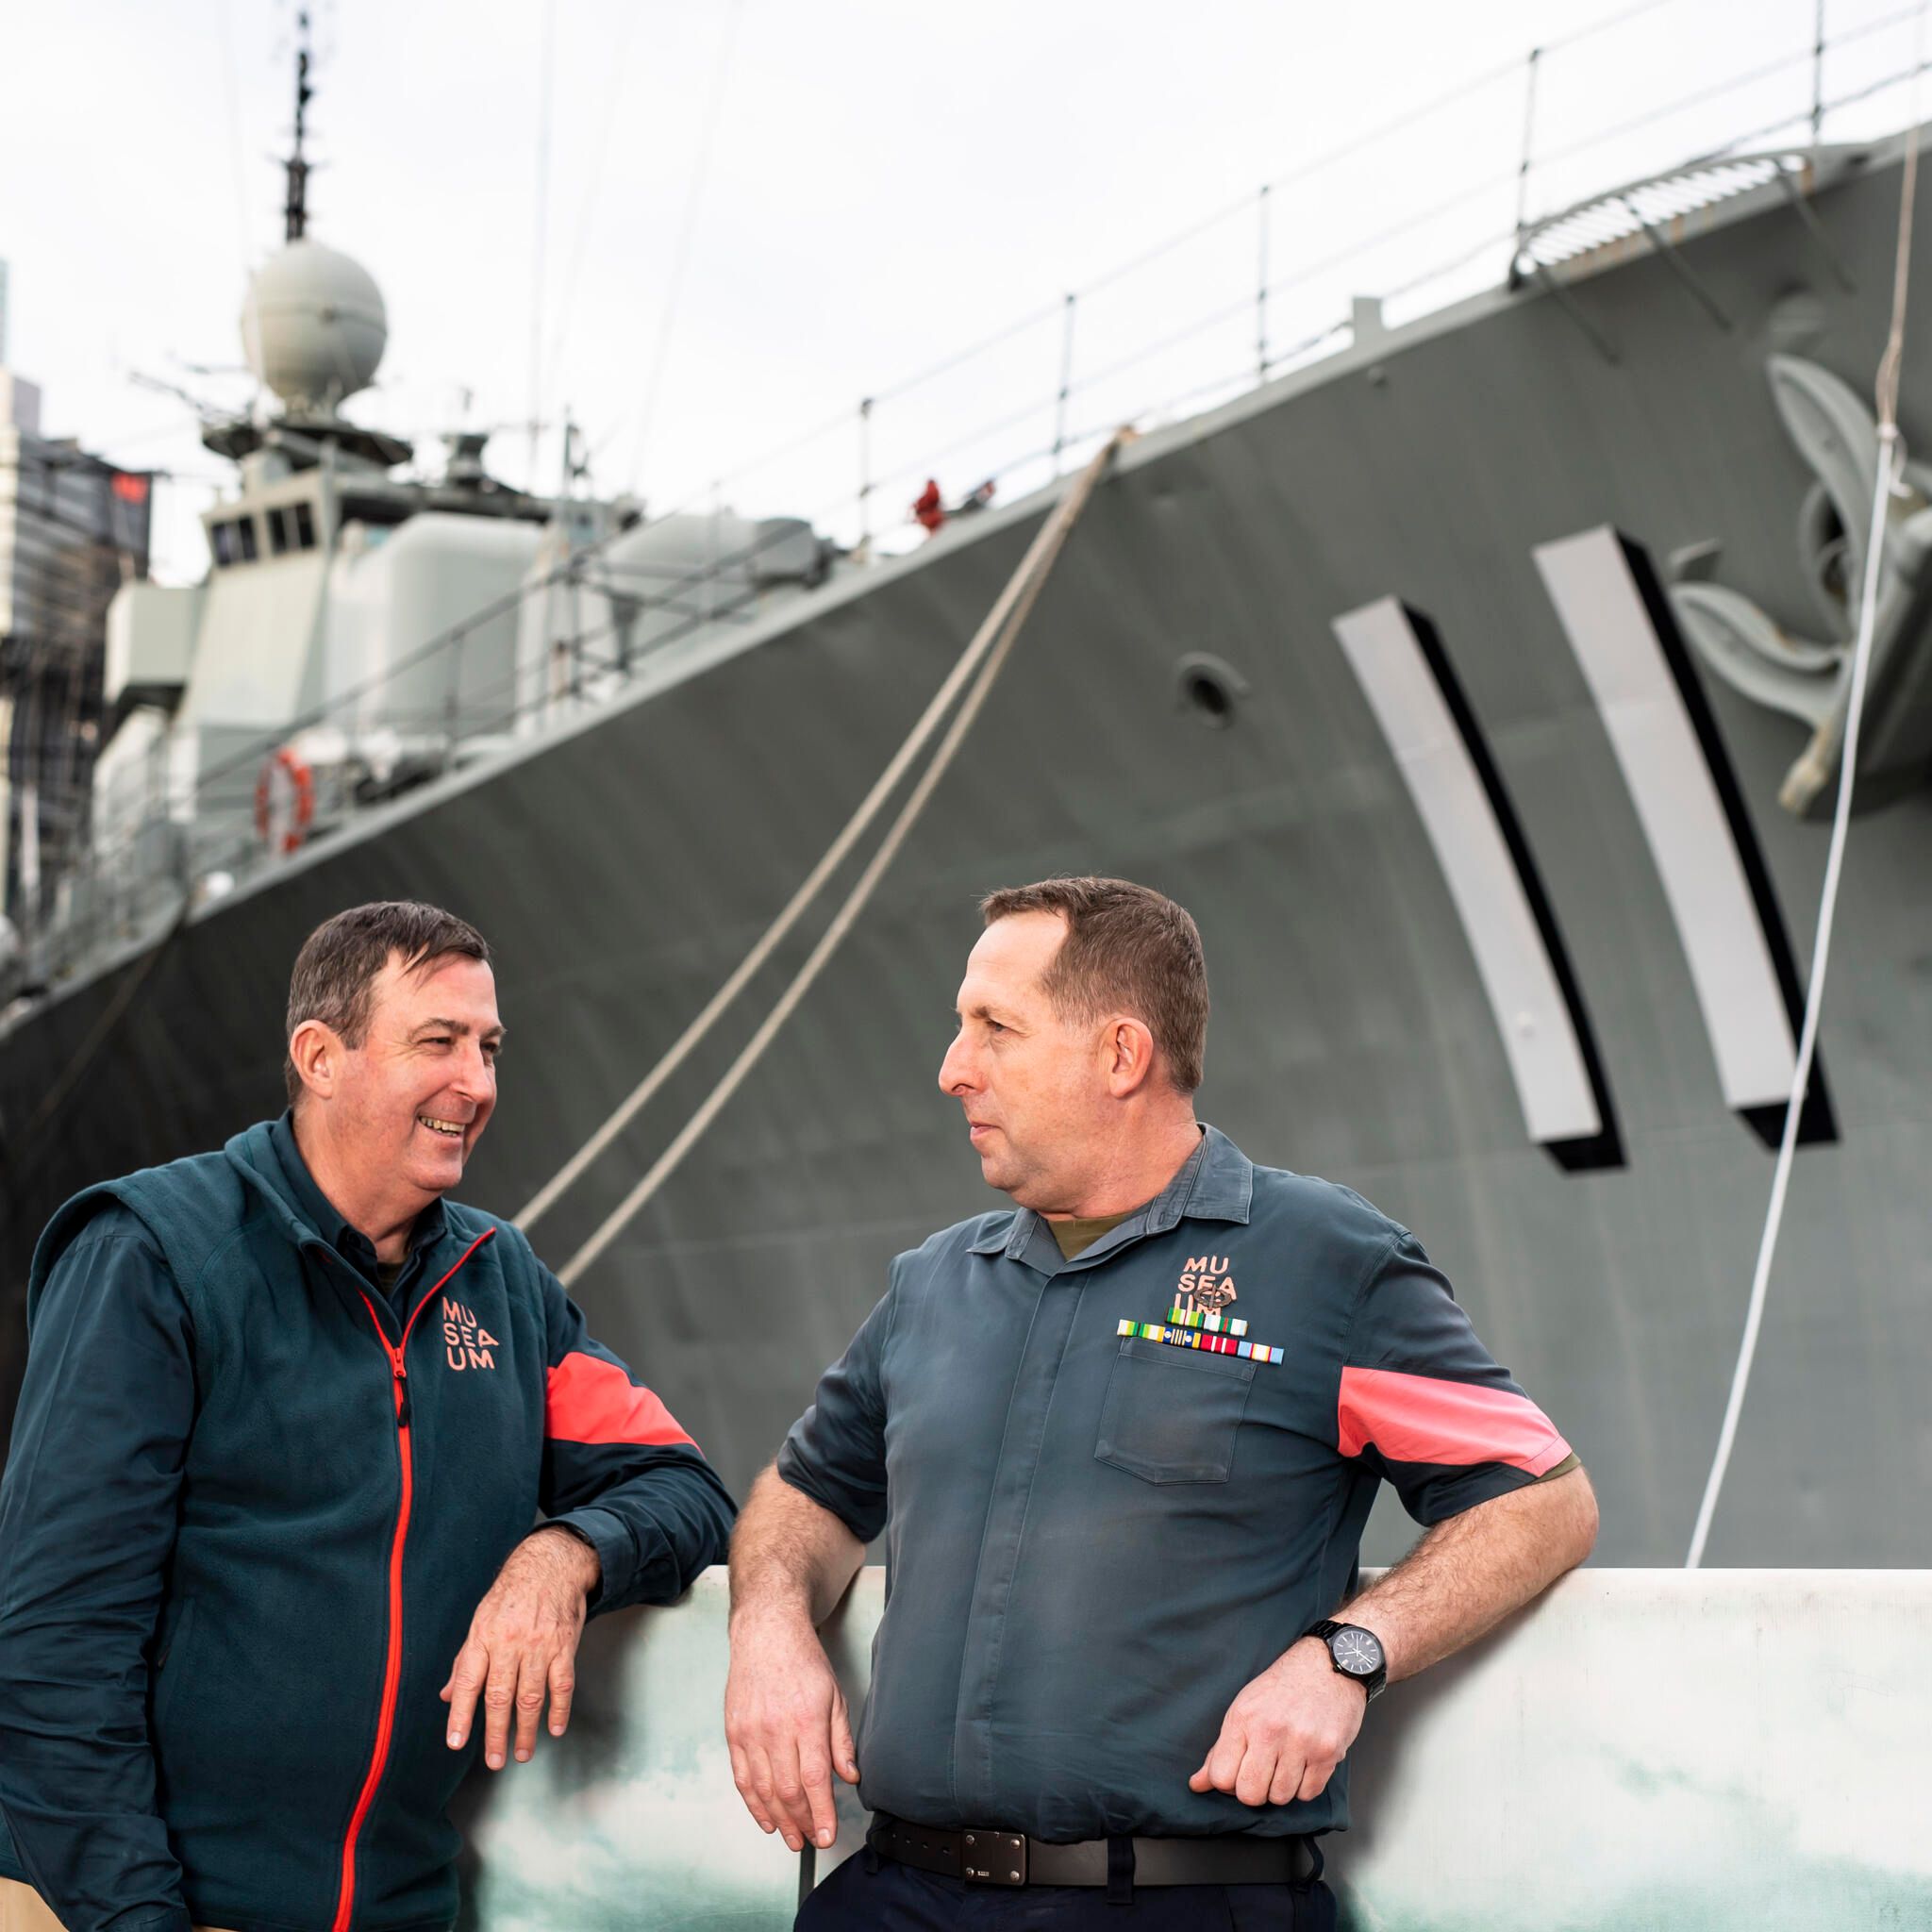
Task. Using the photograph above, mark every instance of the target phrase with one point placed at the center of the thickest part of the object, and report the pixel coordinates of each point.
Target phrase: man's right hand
(787, 1724)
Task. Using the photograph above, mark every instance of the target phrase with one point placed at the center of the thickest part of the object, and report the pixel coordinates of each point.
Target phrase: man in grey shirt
(1122, 1441)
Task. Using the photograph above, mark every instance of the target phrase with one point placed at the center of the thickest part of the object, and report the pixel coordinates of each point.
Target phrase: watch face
(1356, 1652)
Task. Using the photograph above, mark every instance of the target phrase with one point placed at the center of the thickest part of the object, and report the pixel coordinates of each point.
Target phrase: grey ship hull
(622, 868)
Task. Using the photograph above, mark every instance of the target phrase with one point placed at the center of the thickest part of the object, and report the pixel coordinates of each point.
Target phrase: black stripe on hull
(1585, 1153)
(1817, 1123)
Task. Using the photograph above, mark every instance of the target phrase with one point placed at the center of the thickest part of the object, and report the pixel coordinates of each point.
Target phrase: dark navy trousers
(895, 1898)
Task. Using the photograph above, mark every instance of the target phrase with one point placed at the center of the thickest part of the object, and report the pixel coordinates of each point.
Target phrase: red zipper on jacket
(392, 1659)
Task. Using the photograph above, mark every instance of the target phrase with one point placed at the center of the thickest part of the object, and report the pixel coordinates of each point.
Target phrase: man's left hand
(1285, 1734)
(523, 1642)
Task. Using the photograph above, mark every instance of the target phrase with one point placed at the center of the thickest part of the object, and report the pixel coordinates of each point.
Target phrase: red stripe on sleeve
(590, 1400)
(1422, 1419)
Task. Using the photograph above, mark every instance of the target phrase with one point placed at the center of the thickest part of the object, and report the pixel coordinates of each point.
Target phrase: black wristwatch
(1356, 1653)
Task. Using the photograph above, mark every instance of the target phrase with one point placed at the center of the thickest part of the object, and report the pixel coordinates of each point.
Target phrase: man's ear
(1129, 1049)
(317, 1052)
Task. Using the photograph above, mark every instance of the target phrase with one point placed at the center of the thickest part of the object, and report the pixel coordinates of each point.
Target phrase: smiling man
(1121, 1441)
(289, 1418)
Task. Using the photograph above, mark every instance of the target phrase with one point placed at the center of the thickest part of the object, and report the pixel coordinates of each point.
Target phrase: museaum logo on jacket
(1207, 1286)
(466, 1343)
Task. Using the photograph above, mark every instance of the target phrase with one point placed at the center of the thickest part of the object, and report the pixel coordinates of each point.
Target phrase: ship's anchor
(1837, 435)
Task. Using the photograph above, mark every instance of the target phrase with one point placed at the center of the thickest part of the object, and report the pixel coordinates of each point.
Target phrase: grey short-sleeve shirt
(1094, 1539)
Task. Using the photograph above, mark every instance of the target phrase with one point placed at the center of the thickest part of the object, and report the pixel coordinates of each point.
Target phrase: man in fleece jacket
(267, 1571)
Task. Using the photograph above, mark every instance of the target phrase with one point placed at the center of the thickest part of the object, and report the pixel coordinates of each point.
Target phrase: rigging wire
(681, 258)
(1783, 64)
(619, 61)
(1604, 24)
(1889, 469)
(1462, 90)
(1856, 97)
(1052, 312)
(1320, 164)
(231, 89)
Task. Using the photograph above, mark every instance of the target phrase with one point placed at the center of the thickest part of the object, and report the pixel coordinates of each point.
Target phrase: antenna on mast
(296, 210)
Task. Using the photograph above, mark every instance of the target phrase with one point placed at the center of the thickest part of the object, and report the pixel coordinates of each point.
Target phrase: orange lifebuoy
(284, 801)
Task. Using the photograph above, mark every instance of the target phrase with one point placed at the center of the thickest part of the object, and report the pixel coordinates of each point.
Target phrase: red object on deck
(927, 508)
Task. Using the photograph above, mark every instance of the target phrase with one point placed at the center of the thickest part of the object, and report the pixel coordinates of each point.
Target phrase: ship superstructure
(361, 627)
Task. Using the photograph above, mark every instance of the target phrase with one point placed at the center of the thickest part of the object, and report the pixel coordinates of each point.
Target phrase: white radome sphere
(313, 325)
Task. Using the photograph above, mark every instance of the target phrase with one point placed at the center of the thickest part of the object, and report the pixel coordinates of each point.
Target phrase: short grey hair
(336, 970)
(1128, 948)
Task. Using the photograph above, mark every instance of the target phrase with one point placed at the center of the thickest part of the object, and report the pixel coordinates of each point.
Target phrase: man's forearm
(1468, 1573)
(569, 1552)
(784, 1717)
(789, 1556)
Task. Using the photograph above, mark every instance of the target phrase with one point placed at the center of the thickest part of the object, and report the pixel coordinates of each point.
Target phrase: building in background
(73, 530)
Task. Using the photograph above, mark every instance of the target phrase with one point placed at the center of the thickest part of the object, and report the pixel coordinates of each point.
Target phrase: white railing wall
(1740, 1751)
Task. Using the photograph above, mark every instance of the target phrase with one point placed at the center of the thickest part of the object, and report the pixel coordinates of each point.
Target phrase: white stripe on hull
(1545, 1058)
(1603, 614)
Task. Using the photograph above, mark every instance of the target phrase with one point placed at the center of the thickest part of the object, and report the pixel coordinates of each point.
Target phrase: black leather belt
(983, 1854)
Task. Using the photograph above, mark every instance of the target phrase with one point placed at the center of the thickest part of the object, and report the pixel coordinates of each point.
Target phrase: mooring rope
(985, 656)
(1890, 467)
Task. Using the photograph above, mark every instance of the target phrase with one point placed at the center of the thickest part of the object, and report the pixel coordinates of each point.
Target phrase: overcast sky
(734, 218)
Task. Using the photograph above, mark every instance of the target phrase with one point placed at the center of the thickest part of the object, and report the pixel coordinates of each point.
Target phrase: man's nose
(473, 1072)
(956, 1070)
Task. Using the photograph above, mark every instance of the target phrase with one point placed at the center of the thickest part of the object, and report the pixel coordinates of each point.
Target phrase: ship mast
(295, 208)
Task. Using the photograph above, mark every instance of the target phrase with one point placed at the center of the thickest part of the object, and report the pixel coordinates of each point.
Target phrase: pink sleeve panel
(1424, 1418)
(590, 1399)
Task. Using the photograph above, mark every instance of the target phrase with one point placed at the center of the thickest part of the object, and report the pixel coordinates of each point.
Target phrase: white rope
(1032, 568)
(1026, 584)
(1889, 463)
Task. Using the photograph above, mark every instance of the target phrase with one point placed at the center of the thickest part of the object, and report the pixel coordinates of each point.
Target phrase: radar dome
(313, 327)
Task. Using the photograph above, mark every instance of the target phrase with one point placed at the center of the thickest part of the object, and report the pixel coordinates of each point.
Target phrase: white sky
(886, 184)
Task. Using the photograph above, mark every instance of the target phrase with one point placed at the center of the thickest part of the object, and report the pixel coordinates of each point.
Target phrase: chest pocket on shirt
(1172, 1414)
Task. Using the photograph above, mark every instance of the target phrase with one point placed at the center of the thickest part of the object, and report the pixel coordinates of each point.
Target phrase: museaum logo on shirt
(1207, 1286)
(466, 1341)
(1199, 1317)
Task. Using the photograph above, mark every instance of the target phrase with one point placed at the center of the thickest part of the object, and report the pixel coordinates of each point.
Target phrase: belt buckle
(992, 1858)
